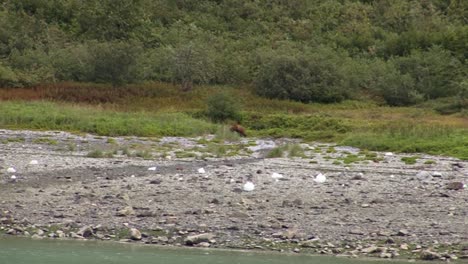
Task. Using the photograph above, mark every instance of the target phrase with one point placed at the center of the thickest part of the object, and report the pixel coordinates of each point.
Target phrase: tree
(191, 64)
(115, 62)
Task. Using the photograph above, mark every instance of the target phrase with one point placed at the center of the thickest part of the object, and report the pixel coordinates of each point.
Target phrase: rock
(296, 250)
(455, 186)
(430, 255)
(196, 239)
(157, 181)
(128, 210)
(85, 231)
(358, 177)
(290, 233)
(135, 234)
(297, 202)
(248, 186)
(320, 178)
(371, 250)
(40, 232)
(423, 175)
(204, 244)
(404, 246)
(356, 232)
(162, 239)
(386, 255)
(11, 231)
(276, 176)
(6, 220)
(36, 236)
(403, 232)
(60, 234)
(75, 235)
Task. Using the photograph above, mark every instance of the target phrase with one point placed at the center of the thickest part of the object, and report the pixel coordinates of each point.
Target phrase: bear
(238, 129)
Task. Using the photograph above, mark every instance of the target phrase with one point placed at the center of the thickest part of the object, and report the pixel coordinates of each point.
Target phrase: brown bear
(238, 129)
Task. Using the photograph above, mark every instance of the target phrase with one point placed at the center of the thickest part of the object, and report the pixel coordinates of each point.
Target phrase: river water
(27, 251)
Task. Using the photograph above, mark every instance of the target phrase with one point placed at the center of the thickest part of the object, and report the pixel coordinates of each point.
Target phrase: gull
(152, 168)
(33, 162)
(201, 170)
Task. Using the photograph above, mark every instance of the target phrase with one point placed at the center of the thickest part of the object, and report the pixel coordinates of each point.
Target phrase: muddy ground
(375, 204)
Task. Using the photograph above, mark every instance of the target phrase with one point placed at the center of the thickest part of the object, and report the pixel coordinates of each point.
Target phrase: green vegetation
(409, 160)
(290, 150)
(47, 141)
(399, 52)
(95, 154)
(43, 115)
(222, 107)
(329, 71)
(362, 156)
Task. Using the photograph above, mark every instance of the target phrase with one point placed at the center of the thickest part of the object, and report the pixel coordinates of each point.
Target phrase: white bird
(13, 177)
(276, 176)
(388, 154)
(11, 170)
(152, 168)
(249, 186)
(320, 178)
(201, 170)
(33, 162)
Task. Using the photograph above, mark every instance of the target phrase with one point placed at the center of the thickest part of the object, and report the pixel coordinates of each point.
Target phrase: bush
(436, 71)
(313, 78)
(222, 107)
(7, 77)
(115, 62)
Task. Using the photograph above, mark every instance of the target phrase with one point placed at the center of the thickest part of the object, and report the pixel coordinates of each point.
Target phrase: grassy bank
(95, 120)
(161, 110)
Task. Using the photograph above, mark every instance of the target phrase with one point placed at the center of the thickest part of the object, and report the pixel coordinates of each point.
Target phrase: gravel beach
(144, 190)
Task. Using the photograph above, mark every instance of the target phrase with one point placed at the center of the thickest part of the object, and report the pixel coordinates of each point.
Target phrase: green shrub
(275, 153)
(307, 78)
(95, 154)
(222, 107)
(409, 160)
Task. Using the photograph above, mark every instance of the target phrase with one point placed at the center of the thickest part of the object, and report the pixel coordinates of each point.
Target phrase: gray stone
(430, 255)
(135, 234)
(204, 244)
(126, 211)
(371, 250)
(403, 232)
(85, 231)
(196, 239)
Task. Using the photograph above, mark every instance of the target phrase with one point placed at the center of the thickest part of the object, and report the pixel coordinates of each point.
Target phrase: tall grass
(54, 116)
(413, 138)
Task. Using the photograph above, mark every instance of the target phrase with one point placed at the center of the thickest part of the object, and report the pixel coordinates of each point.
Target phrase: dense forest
(398, 52)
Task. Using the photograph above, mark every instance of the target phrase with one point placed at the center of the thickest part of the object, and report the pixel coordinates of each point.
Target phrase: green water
(26, 251)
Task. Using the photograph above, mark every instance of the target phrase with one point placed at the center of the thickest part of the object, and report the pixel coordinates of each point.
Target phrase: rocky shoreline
(143, 190)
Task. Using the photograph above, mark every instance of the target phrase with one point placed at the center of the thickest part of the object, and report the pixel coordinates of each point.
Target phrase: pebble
(135, 234)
